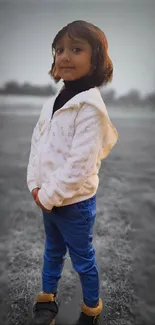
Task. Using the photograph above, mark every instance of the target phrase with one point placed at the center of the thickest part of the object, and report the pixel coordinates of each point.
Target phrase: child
(73, 134)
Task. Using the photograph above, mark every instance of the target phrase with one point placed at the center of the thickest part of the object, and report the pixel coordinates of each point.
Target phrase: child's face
(73, 58)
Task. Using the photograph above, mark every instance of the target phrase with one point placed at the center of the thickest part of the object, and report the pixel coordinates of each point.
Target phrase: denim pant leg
(76, 223)
(54, 254)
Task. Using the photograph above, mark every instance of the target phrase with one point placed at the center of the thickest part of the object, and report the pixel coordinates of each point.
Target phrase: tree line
(132, 98)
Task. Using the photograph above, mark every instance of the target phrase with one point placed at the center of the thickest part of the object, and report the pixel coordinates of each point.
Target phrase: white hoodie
(66, 151)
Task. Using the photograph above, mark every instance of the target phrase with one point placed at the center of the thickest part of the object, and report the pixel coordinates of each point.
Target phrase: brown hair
(103, 67)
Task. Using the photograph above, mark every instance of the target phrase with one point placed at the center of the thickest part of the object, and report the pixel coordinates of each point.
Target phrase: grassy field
(124, 233)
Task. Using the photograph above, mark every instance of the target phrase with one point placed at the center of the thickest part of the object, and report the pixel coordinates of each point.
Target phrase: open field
(124, 233)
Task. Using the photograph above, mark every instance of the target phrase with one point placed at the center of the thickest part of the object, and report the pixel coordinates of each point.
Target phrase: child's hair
(103, 67)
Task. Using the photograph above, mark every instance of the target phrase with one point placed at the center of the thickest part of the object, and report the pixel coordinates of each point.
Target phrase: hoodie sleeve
(31, 182)
(86, 146)
(31, 168)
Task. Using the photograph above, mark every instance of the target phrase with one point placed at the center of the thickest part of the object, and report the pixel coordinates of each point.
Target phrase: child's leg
(76, 224)
(45, 307)
(54, 254)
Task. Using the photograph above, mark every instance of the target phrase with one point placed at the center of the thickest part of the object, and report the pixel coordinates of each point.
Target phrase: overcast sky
(27, 29)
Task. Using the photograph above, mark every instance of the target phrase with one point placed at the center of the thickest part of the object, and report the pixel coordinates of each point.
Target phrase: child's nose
(66, 55)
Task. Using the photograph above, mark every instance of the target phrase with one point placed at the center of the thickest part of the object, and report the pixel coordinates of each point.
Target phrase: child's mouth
(66, 68)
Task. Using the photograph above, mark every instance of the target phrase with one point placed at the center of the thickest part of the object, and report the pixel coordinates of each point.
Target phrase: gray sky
(27, 29)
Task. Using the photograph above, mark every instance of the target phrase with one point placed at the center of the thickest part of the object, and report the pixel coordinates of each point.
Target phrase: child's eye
(76, 49)
(59, 50)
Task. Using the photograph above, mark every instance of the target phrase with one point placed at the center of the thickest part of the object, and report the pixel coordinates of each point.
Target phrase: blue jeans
(70, 227)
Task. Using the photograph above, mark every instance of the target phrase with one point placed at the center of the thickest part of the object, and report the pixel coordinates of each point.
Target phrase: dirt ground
(124, 232)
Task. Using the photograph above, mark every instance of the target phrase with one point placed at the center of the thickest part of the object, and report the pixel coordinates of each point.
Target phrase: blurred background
(124, 233)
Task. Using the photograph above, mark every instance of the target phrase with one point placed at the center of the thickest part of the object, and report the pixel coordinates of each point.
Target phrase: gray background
(124, 232)
(28, 27)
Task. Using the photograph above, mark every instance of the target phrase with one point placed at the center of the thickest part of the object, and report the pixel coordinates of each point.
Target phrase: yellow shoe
(45, 310)
(90, 316)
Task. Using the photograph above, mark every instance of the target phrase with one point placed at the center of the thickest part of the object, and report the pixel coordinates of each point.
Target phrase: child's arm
(31, 182)
(86, 146)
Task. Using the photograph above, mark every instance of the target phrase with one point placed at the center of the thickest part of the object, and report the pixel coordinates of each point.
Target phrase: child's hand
(35, 193)
(40, 205)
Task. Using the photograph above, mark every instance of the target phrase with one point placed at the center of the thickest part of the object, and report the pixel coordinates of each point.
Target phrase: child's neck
(84, 83)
